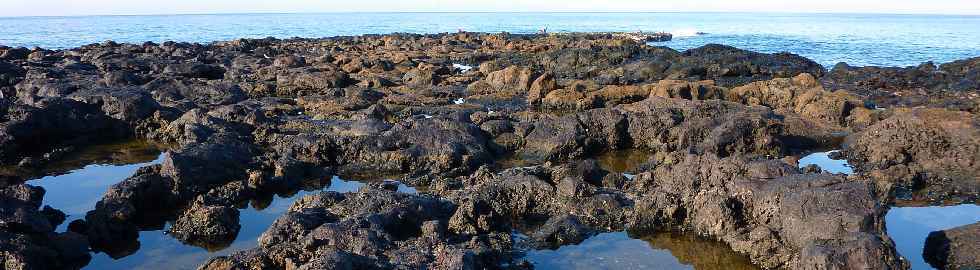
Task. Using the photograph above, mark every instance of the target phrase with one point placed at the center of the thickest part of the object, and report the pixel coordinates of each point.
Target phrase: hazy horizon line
(500, 12)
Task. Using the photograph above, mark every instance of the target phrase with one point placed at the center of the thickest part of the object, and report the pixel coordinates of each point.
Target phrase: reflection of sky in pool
(160, 251)
(619, 250)
(823, 160)
(462, 68)
(77, 192)
(605, 251)
(909, 227)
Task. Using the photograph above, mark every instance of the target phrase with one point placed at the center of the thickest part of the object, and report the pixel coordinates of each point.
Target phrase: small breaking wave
(688, 32)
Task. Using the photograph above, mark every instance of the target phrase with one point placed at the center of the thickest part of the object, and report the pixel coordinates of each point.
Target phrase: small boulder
(211, 227)
(561, 230)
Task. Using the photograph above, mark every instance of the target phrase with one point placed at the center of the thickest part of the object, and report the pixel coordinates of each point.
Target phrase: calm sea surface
(858, 39)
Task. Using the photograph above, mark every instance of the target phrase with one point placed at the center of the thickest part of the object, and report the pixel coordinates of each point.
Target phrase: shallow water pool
(826, 163)
(74, 185)
(161, 251)
(909, 227)
(623, 160)
(620, 250)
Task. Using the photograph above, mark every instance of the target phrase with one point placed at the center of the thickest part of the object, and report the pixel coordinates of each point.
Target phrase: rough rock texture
(951, 85)
(658, 124)
(933, 149)
(212, 227)
(956, 248)
(700, 90)
(27, 237)
(501, 147)
(38, 131)
(802, 95)
(769, 211)
(373, 228)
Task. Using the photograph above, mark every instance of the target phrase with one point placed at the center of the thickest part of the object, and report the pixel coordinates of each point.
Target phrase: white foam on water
(462, 68)
(687, 32)
(459, 101)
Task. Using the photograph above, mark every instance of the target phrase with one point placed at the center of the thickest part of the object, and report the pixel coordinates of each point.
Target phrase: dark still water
(859, 39)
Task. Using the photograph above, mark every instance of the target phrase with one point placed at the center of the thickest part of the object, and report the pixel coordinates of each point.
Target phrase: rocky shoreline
(253, 116)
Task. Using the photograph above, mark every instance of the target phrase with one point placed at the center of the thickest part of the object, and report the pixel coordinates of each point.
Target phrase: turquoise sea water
(858, 39)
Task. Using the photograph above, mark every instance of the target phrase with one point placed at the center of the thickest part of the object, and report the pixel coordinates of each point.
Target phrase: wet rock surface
(261, 116)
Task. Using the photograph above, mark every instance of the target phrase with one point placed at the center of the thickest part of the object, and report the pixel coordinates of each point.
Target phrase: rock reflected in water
(909, 227)
(624, 160)
(110, 154)
(826, 163)
(619, 250)
(161, 251)
(76, 183)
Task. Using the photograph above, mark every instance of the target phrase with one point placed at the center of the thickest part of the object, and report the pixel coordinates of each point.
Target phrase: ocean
(858, 39)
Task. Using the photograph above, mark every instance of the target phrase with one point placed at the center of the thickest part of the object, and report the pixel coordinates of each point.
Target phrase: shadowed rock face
(27, 236)
(956, 248)
(251, 117)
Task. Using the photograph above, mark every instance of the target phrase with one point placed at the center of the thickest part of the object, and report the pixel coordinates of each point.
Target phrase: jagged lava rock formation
(255, 116)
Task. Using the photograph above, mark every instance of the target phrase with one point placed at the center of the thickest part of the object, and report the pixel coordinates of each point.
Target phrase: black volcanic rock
(211, 227)
(506, 146)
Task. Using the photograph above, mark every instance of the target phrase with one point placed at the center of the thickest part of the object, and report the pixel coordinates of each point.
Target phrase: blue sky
(131, 7)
